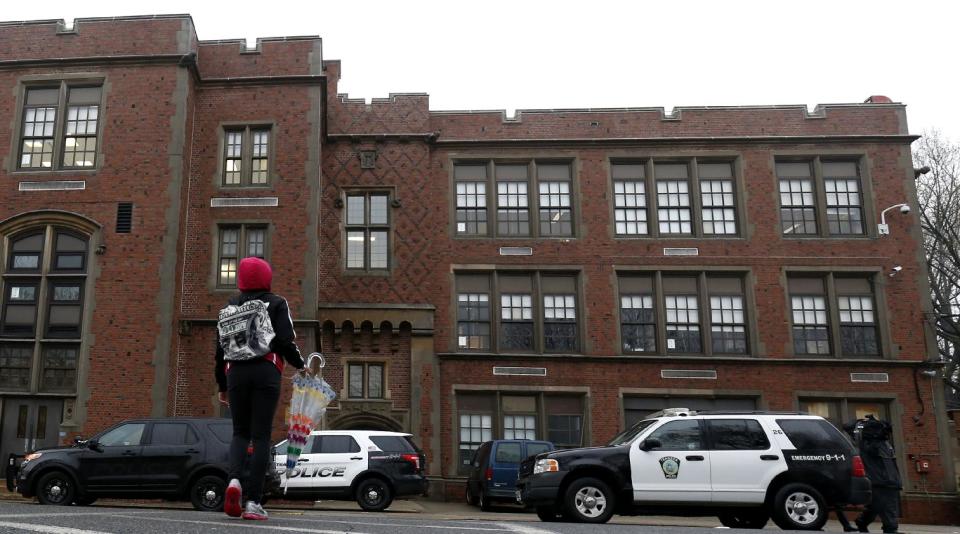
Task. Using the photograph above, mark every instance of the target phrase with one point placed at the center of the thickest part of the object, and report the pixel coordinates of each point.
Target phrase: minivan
(495, 467)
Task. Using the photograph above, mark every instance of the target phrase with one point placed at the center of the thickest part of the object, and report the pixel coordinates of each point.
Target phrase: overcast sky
(518, 54)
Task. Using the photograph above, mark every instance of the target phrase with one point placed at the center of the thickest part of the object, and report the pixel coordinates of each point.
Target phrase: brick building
(558, 274)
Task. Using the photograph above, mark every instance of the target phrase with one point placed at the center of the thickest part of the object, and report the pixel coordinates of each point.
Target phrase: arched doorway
(366, 421)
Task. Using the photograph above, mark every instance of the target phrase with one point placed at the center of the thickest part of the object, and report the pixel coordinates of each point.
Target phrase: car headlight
(32, 456)
(546, 466)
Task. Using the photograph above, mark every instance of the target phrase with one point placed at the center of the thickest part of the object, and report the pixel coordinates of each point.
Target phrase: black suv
(172, 458)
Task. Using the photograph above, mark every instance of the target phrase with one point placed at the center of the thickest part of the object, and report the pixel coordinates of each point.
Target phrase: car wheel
(589, 500)
(745, 518)
(86, 500)
(484, 502)
(373, 495)
(56, 488)
(799, 507)
(471, 500)
(207, 493)
(548, 514)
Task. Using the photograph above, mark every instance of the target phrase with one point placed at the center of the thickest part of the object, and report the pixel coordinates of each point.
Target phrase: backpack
(245, 330)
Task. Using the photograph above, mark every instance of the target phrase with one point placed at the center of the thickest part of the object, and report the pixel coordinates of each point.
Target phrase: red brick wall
(135, 36)
(228, 59)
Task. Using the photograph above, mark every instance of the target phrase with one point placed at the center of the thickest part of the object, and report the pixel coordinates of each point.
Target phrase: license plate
(519, 496)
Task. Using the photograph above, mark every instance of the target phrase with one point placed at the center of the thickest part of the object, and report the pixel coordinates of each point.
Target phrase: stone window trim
(886, 348)
(695, 194)
(63, 81)
(816, 161)
(366, 363)
(537, 293)
(703, 293)
(626, 392)
(51, 223)
(246, 128)
(533, 195)
(500, 391)
(216, 228)
(367, 227)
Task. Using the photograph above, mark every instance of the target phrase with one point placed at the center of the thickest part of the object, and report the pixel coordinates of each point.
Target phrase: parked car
(495, 467)
(171, 458)
(743, 467)
(371, 467)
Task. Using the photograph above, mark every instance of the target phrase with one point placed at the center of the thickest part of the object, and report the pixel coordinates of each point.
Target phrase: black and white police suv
(368, 466)
(745, 468)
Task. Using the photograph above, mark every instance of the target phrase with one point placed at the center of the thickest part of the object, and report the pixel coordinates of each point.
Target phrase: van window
(172, 434)
(737, 435)
(337, 445)
(534, 449)
(679, 435)
(813, 434)
(508, 453)
(393, 444)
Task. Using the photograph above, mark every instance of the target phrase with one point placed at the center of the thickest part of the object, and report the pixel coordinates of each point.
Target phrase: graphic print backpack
(245, 330)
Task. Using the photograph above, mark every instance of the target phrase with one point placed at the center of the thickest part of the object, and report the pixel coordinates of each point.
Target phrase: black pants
(254, 390)
(886, 504)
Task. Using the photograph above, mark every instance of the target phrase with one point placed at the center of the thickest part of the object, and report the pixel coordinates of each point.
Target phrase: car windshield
(627, 435)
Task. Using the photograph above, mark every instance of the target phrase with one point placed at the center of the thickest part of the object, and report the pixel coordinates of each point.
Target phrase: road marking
(410, 525)
(49, 529)
(513, 527)
(237, 524)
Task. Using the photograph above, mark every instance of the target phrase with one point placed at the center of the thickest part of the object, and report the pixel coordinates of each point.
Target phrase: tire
(471, 500)
(484, 501)
(588, 500)
(207, 493)
(799, 506)
(748, 518)
(548, 514)
(86, 500)
(56, 488)
(374, 495)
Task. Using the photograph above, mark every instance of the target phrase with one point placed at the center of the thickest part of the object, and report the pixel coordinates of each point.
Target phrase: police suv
(370, 467)
(744, 467)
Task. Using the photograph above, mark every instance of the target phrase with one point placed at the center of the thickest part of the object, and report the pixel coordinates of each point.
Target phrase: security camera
(896, 269)
(904, 209)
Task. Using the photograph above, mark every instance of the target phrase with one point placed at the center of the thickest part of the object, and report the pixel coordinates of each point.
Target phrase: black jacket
(880, 462)
(284, 335)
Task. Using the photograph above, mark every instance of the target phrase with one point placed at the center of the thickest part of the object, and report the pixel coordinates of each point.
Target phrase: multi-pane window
(630, 199)
(367, 231)
(513, 199)
(638, 324)
(43, 299)
(695, 197)
(60, 127)
(484, 416)
(840, 411)
(365, 381)
(844, 201)
(235, 243)
(813, 191)
(673, 198)
(858, 324)
(662, 313)
(246, 156)
(534, 312)
(849, 328)
(556, 215)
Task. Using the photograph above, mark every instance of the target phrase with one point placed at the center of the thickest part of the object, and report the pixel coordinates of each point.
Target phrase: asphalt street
(23, 517)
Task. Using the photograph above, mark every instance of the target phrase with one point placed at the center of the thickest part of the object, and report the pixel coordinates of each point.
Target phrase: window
(841, 411)
(518, 191)
(246, 156)
(694, 197)
(238, 242)
(533, 416)
(679, 318)
(123, 436)
(817, 190)
(396, 444)
(42, 291)
(636, 408)
(737, 435)
(60, 126)
(813, 434)
(834, 314)
(172, 434)
(337, 445)
(365, 381)
(537, 312)
(509, 453)
(368, 229)
(679, 436)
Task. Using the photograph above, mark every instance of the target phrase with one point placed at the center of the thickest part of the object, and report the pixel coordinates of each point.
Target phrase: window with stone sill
(821, 197)
(246, 156)
(238, 241)
(60, 126)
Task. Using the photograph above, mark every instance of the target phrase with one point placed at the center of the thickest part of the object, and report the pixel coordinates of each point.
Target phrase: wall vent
(516, 251)
(701, 374)
(124, 217)
(869, 377)
(520, 371)
(237, 202)
(68, 185)
(681, 251)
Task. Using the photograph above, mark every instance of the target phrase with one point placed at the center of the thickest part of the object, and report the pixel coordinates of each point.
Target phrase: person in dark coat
(879, 460)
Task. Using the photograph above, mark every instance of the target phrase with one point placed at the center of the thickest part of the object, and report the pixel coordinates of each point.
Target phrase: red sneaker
(231, 501)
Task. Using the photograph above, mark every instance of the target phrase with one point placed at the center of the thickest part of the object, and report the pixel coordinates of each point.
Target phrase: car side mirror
(650, 444)
(94, 445)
